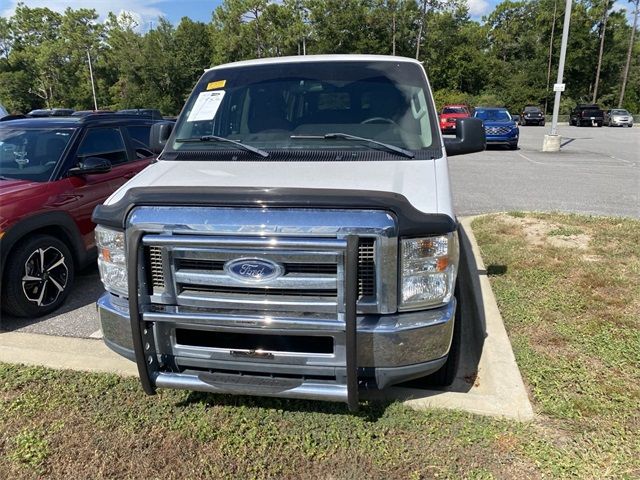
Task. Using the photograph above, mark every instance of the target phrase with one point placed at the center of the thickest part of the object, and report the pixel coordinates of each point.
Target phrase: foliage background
(502, 60)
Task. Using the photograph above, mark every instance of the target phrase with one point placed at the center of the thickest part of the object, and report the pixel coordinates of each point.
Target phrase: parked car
(297, 238)
(618, 117)
(13, 116)
(449, 115)
(51, 112)
(499, 127)
(586, 114)
(53, 172)
(84, 113)
(532, 115)
(145, 112)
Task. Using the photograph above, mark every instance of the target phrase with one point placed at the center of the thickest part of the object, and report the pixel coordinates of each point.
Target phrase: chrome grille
(205, 275)
(198, 264)
(497, 130)
(182, 252)
(154, 256)
(208, 285)
(366, 267)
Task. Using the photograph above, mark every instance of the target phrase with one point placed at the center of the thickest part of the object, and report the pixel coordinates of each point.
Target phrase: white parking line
(529, 160)
(96, 334)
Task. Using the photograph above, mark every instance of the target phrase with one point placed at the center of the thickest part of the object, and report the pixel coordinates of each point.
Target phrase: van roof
(316, 58)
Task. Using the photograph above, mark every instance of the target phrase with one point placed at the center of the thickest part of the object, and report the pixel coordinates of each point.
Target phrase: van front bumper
(390, 348)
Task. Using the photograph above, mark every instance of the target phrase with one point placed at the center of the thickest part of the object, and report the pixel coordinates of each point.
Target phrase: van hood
(414, 179)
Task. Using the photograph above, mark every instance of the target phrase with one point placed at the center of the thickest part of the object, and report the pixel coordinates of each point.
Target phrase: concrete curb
(496, 387)
(71, 353)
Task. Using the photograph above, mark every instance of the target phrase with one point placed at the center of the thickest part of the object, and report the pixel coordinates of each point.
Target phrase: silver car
(619, 117)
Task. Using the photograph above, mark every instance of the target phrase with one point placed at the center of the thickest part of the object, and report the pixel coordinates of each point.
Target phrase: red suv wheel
(38, 277)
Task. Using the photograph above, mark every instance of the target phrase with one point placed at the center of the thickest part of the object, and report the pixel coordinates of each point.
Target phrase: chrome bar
(288, 389)
(262, 303)
(245, 322)
(351, 337)
(243, 242)
(283, 256)
(291, 281)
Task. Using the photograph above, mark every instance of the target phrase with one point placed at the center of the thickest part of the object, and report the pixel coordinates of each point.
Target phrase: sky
(148, 11)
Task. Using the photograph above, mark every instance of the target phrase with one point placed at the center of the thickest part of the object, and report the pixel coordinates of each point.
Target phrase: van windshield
(287, 106)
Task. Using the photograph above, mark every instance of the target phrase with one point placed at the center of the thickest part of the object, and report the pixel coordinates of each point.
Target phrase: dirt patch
(540, 232)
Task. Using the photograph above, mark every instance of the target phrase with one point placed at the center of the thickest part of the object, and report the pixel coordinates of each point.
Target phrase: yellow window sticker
(218, 84)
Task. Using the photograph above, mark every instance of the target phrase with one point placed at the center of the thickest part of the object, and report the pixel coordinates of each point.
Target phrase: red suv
(53, 172)
(449, 115)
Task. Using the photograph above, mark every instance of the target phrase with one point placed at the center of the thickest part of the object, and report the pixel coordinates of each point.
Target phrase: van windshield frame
(265, 105)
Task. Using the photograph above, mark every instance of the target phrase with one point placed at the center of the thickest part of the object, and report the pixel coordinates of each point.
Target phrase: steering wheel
(379, 120)
(48, 164)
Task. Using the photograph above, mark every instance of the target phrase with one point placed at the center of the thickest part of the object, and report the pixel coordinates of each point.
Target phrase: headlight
(111, 260)
(428, 271)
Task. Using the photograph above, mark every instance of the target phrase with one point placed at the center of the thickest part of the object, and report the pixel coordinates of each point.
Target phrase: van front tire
(447, 373)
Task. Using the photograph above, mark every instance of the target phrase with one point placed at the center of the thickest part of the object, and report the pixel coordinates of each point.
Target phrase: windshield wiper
(347, 136)
(215, 138)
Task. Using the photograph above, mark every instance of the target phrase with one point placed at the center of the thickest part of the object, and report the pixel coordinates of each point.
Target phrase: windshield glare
(31, 154)
(619, 112)
(493, 115)
(265, 105)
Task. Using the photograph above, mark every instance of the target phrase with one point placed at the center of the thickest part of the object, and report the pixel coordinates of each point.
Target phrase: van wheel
(447, 373)
(38, 277)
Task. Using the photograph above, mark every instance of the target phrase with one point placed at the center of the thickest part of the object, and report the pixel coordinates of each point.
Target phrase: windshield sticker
(206, 106)
(218, 84)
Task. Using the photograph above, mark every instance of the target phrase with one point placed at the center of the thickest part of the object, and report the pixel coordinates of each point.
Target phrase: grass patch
(565, 231)
(29, 447)
(572, 312)
(103, 426)
(572, 315)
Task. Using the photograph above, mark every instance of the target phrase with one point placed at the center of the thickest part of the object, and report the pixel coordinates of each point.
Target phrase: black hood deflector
(411, 221)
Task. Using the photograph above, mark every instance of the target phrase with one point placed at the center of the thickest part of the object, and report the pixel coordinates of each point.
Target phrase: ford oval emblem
(253, 270)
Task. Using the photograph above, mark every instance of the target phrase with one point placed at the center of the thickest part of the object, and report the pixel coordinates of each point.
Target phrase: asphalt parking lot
(597, 172)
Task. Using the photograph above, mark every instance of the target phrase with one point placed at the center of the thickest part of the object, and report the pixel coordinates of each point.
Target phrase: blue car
(499, 126)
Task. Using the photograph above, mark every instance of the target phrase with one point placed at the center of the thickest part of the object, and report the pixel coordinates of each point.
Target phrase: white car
(618, 117)
(296, 237)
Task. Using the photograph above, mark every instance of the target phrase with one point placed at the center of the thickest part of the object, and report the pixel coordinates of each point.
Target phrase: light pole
(93, 85)
(552, 141)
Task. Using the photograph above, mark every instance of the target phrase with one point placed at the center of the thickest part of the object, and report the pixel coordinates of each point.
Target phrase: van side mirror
(159, 135)
(470, 137)
(91, 165)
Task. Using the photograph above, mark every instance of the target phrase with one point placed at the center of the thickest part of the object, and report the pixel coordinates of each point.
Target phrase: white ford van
(296, 237)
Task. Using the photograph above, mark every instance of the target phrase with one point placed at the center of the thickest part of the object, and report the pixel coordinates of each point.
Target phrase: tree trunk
(602, 35)
(625, 75)
(393, 38)
(420, 28)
